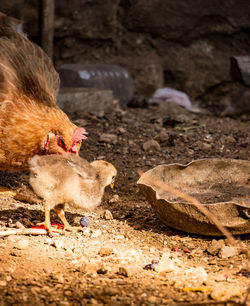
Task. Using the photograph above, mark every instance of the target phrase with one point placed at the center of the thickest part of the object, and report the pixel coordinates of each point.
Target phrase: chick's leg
(59, 209)
(47, 223)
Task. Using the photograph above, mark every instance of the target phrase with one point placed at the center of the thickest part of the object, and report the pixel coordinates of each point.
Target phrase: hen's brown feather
(29, 86)
(25, 69)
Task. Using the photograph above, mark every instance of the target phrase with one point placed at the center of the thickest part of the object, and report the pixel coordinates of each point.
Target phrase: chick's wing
(81, 167)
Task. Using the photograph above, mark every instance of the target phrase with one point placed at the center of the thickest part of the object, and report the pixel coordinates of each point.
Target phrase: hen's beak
(74, 149)
(112, 185)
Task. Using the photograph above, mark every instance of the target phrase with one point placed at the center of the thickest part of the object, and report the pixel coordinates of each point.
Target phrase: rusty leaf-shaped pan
(221, 185)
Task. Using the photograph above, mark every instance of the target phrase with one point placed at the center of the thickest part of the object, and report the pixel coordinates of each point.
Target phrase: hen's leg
(59, 209)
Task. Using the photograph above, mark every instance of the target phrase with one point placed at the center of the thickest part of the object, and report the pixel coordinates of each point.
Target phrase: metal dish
(221, 185)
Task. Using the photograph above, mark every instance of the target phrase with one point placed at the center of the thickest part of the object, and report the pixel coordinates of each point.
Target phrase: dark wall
(186, 44)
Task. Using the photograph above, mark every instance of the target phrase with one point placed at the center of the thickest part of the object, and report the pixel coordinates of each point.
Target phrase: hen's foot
(7, 192)
(16, 195)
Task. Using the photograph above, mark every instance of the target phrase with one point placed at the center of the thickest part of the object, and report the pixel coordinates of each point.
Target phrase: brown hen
(30, 120)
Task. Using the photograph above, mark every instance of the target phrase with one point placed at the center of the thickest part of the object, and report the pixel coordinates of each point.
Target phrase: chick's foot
(67, 227)
(50, 228)
(70, 228)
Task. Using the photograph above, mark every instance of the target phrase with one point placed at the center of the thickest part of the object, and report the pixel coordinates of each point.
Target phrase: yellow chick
(68, 178)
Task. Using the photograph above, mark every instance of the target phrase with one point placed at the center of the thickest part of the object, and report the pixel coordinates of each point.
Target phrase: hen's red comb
(79, 134)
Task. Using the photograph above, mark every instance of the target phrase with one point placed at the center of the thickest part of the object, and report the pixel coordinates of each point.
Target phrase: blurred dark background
(184, 44)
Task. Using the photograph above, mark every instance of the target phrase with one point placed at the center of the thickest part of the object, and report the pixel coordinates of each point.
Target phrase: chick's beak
(112, 183)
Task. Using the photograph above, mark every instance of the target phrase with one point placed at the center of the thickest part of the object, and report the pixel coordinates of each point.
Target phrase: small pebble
(175, 249)
(19, 225)
(3, 283)
(100, 114)
(121, 130)
(151, 145)
(8, 278)
(105, 252)
(86, 232)
(96, 233)
(84, 221)
(228, 139)
(245, 272)
(100, 157)
(215, 246)
(108, 138)
(131, 143)
(225, 293)
(152, 299)
(127, 271)
(228, 251)
(48, 241)
(22, 244)
(64, 303)
(221, 278)
(68, 293)
(107, 215)
(203, 146)
(12, 238)
(152, 265)
(119, 237)
(195, 277)
(48, 269)
(165, 264)
(114, 199)
(27, 223)
(101, 271)
(58, 244)
(60, 278)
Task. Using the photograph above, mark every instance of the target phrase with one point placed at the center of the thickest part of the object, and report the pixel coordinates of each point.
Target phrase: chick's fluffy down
(66, 179)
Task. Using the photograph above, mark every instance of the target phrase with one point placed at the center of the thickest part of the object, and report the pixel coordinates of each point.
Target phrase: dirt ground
(112, 261)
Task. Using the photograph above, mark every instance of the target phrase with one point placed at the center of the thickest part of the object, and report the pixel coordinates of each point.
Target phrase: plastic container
(100, 76)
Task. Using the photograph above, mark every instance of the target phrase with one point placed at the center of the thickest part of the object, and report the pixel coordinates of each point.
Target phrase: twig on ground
(23, 231)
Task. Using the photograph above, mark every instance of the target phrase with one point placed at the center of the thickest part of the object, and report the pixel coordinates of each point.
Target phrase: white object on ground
(172, 95)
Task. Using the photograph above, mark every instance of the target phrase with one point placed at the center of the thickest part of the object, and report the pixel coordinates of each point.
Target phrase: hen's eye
(61, 142)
